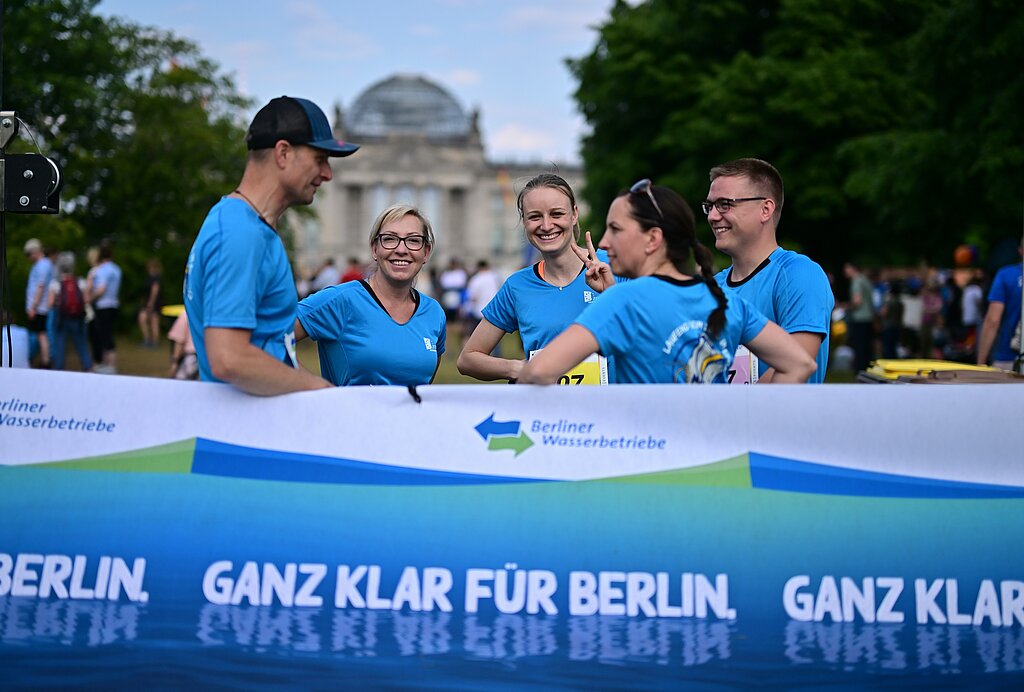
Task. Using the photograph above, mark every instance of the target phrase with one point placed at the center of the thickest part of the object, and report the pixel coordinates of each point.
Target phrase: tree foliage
(896, 124)
(148, 133)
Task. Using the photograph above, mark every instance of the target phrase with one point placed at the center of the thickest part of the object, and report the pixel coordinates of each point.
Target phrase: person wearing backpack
(67, 301)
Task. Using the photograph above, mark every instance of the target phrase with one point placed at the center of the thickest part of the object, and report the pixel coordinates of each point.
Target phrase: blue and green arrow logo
(501, 435)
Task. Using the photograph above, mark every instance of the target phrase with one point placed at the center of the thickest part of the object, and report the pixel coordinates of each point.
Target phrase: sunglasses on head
(645, 186)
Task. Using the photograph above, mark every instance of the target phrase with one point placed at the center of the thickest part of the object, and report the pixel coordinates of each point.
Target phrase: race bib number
(594, 370)
(744, 367)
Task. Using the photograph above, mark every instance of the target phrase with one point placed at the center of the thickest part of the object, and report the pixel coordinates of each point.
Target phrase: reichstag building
(419, 146)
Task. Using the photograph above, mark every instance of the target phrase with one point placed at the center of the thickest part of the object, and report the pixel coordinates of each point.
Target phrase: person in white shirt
(327, 276)
(971, 301)
(482, 287)
(103, 292)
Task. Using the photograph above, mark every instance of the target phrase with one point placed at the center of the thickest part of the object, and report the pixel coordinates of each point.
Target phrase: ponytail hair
(674, 216)
(716, 320)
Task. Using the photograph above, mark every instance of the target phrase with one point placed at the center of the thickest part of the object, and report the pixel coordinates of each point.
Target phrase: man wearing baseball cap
(239, 290)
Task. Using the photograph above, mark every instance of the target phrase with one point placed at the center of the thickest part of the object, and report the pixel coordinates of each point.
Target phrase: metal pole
(1, 54)
(1019, 363)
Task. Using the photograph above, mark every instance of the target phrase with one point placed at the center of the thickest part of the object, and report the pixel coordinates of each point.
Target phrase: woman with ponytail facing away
(672, 324)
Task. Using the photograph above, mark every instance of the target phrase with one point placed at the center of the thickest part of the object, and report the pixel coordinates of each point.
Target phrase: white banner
(965, 433)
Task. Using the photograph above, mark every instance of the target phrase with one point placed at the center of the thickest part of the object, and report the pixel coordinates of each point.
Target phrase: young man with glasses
(743, 208)
(239, 289)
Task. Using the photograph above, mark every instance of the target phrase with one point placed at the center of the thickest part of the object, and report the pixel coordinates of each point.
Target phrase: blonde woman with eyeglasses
(381, 330)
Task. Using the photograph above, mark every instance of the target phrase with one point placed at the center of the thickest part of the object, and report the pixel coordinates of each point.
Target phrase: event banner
(624, 536)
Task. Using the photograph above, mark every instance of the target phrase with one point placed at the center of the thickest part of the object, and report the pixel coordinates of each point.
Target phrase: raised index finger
(590, 246)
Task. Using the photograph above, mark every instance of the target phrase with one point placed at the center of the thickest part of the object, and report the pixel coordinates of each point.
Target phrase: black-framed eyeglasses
(645, 186)
(724, 204)
(390, 242)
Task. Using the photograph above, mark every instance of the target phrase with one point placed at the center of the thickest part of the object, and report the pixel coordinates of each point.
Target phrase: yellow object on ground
(891, 368)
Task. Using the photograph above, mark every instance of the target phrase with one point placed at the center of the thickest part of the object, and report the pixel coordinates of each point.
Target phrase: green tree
(643, 77)
(885, 118)
(148, 132)
(953, 169)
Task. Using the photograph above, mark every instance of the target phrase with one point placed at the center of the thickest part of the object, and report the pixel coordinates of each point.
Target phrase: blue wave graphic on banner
(778, 473)
(221, 459)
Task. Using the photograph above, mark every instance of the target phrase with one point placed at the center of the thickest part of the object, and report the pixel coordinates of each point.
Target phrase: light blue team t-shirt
(655, 329)
(107, 276)
(359, 342)
(537, 310)
(238, 277)
(792, 291)
(41, 274)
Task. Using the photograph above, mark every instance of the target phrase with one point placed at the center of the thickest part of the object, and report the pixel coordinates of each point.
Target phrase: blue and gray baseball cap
(298, 121)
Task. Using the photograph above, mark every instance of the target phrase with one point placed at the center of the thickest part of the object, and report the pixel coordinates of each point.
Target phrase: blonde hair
(555, 182)
(396, 212)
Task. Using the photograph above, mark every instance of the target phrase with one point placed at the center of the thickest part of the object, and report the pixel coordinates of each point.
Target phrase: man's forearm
(254, 371)
(989, 330)
(988, 337)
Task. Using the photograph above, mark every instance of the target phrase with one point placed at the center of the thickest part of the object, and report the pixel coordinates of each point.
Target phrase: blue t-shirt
(40, 275)
(238, 277)
(1006, 290)
(792, 291)
(537, 310)
(655, 328)
(360, 343)
(107, 276)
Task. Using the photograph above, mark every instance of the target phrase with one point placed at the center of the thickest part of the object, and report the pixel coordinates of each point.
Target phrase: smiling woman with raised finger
(672, 323)
(542, 300)
(380, 330)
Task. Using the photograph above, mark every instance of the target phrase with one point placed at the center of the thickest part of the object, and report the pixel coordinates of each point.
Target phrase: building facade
(419, 146)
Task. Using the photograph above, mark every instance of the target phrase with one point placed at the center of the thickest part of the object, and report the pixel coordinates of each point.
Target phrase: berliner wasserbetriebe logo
(501, 435)
(563, 433)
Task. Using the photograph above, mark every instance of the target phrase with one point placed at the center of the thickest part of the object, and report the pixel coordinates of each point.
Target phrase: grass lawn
(133, 359)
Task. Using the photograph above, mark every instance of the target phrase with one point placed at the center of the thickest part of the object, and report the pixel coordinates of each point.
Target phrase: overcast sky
(507, 58)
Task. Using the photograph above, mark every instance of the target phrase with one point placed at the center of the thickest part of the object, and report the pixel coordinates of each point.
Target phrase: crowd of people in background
(66, 307)
(770, 313)
(328, 275)
(921, 312)
(885, 312)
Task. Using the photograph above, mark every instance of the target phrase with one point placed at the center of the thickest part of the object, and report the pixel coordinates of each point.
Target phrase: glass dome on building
(407, 104)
